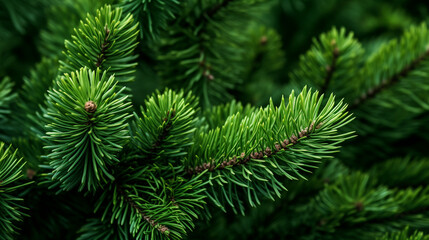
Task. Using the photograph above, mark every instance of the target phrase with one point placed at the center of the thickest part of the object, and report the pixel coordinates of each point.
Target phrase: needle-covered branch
(331, 63)
(248, 158)
(168, 121)
(204, 48)
(107, 41)
(10, 206)
(87, 127)
(153, 207)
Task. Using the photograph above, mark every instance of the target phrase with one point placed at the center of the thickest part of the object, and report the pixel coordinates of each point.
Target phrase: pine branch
(331, 63)
(165, 129)
(244, 159)
(261, 149)
(10, 174)
(386, 83)
(161, 228)
(106, 40)
(87, 128)
(203, 49)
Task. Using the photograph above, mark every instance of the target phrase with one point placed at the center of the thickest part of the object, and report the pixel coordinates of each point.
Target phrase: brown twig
(104, 46)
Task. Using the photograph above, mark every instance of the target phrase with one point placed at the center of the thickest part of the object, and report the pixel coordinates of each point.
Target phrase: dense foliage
(214, 119)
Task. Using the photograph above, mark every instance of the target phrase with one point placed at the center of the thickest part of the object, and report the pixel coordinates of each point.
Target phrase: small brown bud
(328, 68)
(242, 155)
(336, 51)
(163, 229)
(278, 147)
(268, 151)
(90, 106)
(359, 206)
(30, 173)
(210, 77)
(293, 138)
(285, 143)
(333, 42)
(263, 40)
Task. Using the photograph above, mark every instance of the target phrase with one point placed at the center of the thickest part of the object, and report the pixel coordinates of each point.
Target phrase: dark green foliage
(155, 206)
(153, 15)
(91, 106)
(6, 98)
(221, 139)
(194, 57)
(62, 17)
(330, 63)
(95, 229)
(11, 209)
(106, 41)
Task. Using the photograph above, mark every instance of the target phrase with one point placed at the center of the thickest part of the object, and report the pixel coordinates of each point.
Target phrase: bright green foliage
(330, 64)
(106, 41)
(153, 15)
(10, 172)
(195, 57)
(256, 152)
(167, 124)
(87, 126)
(405, 235)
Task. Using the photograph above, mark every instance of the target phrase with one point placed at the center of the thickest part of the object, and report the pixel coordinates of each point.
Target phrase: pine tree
(172, 119)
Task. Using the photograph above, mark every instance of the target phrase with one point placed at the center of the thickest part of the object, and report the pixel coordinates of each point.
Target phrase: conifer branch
(244, 159)
(161, 228)
(386, 83)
